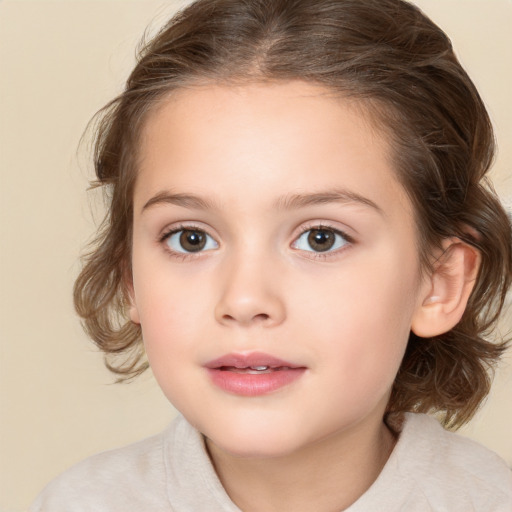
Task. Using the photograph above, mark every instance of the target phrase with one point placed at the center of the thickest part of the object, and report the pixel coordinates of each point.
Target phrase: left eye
(190, 240)
(320, 240)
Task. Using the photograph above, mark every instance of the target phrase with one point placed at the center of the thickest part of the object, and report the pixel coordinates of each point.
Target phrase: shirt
(429, 470)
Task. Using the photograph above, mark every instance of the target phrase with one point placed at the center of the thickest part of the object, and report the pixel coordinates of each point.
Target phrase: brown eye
(190, 240)
(321, 240)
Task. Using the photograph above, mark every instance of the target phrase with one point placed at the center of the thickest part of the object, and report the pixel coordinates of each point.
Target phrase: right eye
(321, 240)
(190, 240)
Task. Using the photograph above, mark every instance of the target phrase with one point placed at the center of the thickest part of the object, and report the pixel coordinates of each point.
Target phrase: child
(302, 242)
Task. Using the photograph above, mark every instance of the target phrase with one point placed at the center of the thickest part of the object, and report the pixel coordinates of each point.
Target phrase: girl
(302, 242)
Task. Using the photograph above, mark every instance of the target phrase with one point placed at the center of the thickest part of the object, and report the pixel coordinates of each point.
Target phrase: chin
(251, 448)
(259, 440)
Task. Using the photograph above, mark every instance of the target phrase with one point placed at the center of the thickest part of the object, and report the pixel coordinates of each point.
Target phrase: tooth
(259, 368)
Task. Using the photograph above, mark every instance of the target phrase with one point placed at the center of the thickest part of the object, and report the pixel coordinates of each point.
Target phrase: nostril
(261, 317)
(257, 308)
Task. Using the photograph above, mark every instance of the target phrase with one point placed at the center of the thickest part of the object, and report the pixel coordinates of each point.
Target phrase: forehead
(264, 140)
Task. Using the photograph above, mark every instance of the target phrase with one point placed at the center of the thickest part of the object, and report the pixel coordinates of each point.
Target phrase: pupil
(321, 239)
(192, 241)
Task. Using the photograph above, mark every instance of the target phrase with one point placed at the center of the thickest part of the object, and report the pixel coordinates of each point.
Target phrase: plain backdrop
(60, 61)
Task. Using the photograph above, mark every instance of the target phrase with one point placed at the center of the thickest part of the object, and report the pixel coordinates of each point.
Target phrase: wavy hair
(393, 59)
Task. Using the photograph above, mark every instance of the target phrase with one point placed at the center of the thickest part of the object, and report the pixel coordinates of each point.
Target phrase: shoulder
(433, 470)
(164, 473)
(119, 479)
(450, 469)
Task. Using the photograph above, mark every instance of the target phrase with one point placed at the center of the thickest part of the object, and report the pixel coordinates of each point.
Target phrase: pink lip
(225, 373)
(247, 360)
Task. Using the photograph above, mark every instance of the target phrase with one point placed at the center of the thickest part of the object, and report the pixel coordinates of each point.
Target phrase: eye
(321, 239)
(190, 240)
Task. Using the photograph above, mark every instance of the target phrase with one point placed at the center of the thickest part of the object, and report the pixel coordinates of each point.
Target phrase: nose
(250, 294)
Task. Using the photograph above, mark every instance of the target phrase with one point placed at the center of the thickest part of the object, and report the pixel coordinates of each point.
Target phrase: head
(399, 69)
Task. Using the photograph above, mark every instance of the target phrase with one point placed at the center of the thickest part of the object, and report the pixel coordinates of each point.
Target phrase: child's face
(301, 248)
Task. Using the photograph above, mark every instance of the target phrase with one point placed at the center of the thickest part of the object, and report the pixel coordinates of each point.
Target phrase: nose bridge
(250, 290)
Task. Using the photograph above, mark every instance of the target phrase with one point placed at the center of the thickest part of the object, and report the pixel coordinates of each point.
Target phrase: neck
(328, 475)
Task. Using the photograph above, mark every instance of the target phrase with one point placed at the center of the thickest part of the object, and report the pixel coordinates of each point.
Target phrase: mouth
(253, 370)
(252, 374)
(255, 361)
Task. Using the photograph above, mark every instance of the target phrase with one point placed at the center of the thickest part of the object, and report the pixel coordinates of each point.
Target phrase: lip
(227, 373)
(247, 360)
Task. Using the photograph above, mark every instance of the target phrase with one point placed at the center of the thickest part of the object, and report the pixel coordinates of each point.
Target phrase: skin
(345, 314)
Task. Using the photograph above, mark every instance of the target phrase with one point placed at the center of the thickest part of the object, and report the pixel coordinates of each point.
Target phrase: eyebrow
(297, 201)
(184, 200)
(288, 202)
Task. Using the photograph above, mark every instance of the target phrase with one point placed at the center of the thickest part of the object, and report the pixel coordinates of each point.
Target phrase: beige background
(59, 62)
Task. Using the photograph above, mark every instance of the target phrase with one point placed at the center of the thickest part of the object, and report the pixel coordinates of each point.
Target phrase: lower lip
(250, 384)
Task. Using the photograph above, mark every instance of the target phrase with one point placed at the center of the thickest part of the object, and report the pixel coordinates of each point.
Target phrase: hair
(401, 67)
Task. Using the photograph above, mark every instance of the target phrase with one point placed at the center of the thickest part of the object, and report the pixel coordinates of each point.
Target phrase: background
(60, 61)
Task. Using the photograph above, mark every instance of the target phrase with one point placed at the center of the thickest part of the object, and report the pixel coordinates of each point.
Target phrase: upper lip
(249, 360)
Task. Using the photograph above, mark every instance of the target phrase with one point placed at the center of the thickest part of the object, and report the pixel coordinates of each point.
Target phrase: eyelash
(312, 254)
(178, 254)
(348, 241)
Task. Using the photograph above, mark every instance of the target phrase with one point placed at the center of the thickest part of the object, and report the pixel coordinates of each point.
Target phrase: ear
(447, 289)
(134, 312)
(129, 294)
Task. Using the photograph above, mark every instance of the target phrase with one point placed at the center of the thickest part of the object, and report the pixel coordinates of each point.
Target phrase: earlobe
(134, 313)
(130, 302)
(447, 289)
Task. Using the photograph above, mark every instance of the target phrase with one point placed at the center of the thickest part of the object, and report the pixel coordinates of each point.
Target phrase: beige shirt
(430, 469)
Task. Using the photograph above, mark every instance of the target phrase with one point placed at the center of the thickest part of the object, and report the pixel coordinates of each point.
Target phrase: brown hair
(398, 63)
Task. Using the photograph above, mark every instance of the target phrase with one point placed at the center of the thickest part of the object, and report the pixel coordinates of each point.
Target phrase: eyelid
(350, 240)
(191, 225)
(304, 228)
(344, 231)
(185, 226)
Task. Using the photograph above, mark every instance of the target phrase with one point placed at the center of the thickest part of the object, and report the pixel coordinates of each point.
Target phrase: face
(275, 269)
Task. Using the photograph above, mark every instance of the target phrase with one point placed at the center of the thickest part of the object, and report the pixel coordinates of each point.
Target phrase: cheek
(169, 318)
(366, 315)
(376, 293)
(168, 309)
(170, 335)
(164, 297)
